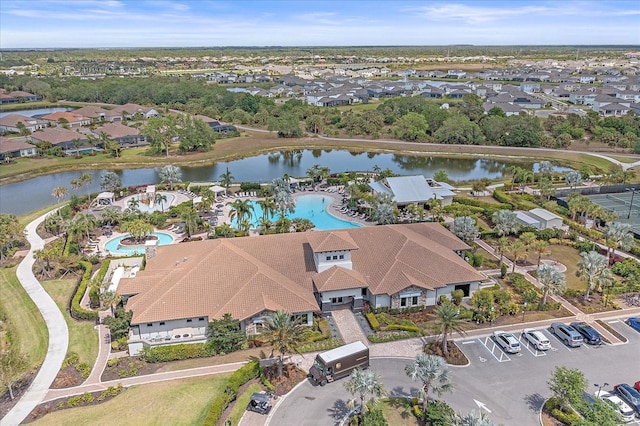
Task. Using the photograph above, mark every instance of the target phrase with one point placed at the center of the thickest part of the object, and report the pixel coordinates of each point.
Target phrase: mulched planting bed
(456, 357)
(87, 398)
(129, 367)
(426, 315)
(291, 376)
(19, 387)
(67, 377)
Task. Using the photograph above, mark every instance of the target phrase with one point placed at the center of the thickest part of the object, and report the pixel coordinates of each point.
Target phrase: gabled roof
(246, 276)
(69, 116)
(13, 144)
(12, 120)
(56, 135)
(117, 130)
(332, 241)
(544, 214)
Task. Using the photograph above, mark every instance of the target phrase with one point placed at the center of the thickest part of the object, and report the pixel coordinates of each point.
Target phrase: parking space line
(503, 356)
(560, 342)
(535, 352)
(466, 342)
(613, 321)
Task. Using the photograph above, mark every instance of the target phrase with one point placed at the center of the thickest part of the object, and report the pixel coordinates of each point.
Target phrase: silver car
(537, 339)
(507, 341)
(625, 411)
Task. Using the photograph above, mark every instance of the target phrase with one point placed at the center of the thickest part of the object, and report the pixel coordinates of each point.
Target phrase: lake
(23, 197)
(35, 112)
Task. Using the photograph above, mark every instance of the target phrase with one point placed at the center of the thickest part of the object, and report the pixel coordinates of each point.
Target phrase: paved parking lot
(510, 387)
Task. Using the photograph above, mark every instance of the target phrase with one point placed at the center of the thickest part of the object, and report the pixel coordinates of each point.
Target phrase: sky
(194, 23)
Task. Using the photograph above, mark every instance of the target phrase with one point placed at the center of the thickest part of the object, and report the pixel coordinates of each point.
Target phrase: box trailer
(339, 362)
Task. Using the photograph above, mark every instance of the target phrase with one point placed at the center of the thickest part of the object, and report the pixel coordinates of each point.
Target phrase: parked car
(589, 334)
(259, 403)
(630, 396)
(567, 334)
(507, 341)
(537, 339)
(634, 322)
(626, 412)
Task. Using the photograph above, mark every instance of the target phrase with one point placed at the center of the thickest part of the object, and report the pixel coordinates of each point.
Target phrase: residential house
(98, 114)
(15, 147)
(130, 110)
(9, 123)
(184, 286)
(124, 135)
(58, 136)
(418, 189)
(18, 96)
(215, 125)
(69, 119)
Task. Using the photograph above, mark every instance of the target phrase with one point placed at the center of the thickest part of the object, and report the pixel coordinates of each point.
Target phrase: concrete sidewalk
(56, 325)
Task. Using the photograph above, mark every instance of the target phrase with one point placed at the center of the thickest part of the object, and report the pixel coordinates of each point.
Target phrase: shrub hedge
(77, 311)
(482, 204)
(402, 327)
(373, 321)
(222, 401)
(176, 352)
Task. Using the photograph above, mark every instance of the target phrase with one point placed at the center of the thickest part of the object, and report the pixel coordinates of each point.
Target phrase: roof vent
(185, 259)
(177, 262)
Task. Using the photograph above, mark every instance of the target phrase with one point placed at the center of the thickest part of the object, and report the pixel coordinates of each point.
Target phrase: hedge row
(222, 401)
(373, 321)
(176, 352)
(591, 233)
(413, 328)
(482, 204)
(77, 311)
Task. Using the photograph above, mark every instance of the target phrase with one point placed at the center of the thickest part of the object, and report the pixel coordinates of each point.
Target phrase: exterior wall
(381, 300)
(158, 330)
(255, 324)
(322, 264)
(328, 295)
(422, 297)
(136, 346)
(553, 223)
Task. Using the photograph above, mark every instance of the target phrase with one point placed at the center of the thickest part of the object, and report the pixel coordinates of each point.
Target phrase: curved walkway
(56, 326)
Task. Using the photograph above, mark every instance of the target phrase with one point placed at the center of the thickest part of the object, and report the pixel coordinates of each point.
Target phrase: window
(341, 257)
(364, 292)
(150, 324)
(162, 323)
(189, 320)
(336, 300)
(409, 301)
(414, 300)
(328, 257)
(335, 257)
(201, 319)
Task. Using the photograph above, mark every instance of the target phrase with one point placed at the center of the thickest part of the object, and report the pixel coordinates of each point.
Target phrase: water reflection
(23, 197)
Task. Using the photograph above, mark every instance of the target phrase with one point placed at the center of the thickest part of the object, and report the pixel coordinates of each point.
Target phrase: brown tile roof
(12, 120)
(13, 144)
(92, 111)
(69, 116)
(116, 130)
(331, 241)
(56, 135)
(245, 276)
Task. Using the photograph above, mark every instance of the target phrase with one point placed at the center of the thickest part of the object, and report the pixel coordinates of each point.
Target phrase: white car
(626, 412)
(537, 339)
(507, 341)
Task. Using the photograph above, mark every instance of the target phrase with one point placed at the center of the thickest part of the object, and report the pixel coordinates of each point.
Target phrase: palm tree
(578, 203)
(110, 299)
(505, 222)
(268, 206)
(111, 216)
(265, 224)
(170, 174)
(474, 418)
(160, 198)
(573, 178)
(226, 179)
(241, 210)
(284, 335)
(85, 180)
(434, 374)
(464, 227)
(540, 248)
(528, 239)
(138, 228)
(59, 192)
(552, 281)
(364, 383)
(133, 204)
(190, 219)
(594, 269)
(85, 222)
(447, 321)
(618, 234)
(435, 205)
(282, 196)
(225, 230)
(501, 248)
(518, 251)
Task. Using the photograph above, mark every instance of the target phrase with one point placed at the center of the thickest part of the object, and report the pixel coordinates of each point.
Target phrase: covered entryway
(464, 287)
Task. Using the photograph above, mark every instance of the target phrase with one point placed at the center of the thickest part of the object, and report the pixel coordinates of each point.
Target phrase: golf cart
(259, 403)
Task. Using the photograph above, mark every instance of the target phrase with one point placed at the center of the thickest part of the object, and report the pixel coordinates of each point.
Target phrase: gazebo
(105, 198)
(217, 189)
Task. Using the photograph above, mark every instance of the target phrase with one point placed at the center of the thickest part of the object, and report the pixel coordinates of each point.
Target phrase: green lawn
(240, 404)
(83, 339)
(398, 411)
(27, 326)
(174, 402)
(569, 257)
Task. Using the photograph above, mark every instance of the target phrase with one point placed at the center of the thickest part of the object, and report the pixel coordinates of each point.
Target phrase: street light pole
(524, 309)
(600, 387)
(633, 192)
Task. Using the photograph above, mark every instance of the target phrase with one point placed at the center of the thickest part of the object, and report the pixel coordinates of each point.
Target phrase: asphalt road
(511, 387)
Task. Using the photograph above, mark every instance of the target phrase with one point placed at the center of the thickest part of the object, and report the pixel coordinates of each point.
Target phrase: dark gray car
(259, 403)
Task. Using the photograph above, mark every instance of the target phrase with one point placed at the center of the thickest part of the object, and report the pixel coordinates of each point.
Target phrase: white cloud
(474, 14)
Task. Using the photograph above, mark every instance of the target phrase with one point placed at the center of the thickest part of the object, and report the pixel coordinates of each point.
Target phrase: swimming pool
(312, 207)
(113, 245)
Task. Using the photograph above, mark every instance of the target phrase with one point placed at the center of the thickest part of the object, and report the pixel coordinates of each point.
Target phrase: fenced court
(625, 205)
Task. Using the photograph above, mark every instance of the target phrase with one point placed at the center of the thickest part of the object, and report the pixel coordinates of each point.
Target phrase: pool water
(113, 245)
(312, 207)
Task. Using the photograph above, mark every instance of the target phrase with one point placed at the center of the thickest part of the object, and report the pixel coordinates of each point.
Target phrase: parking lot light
(524, 309)
(633, 192)
(600, 387)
